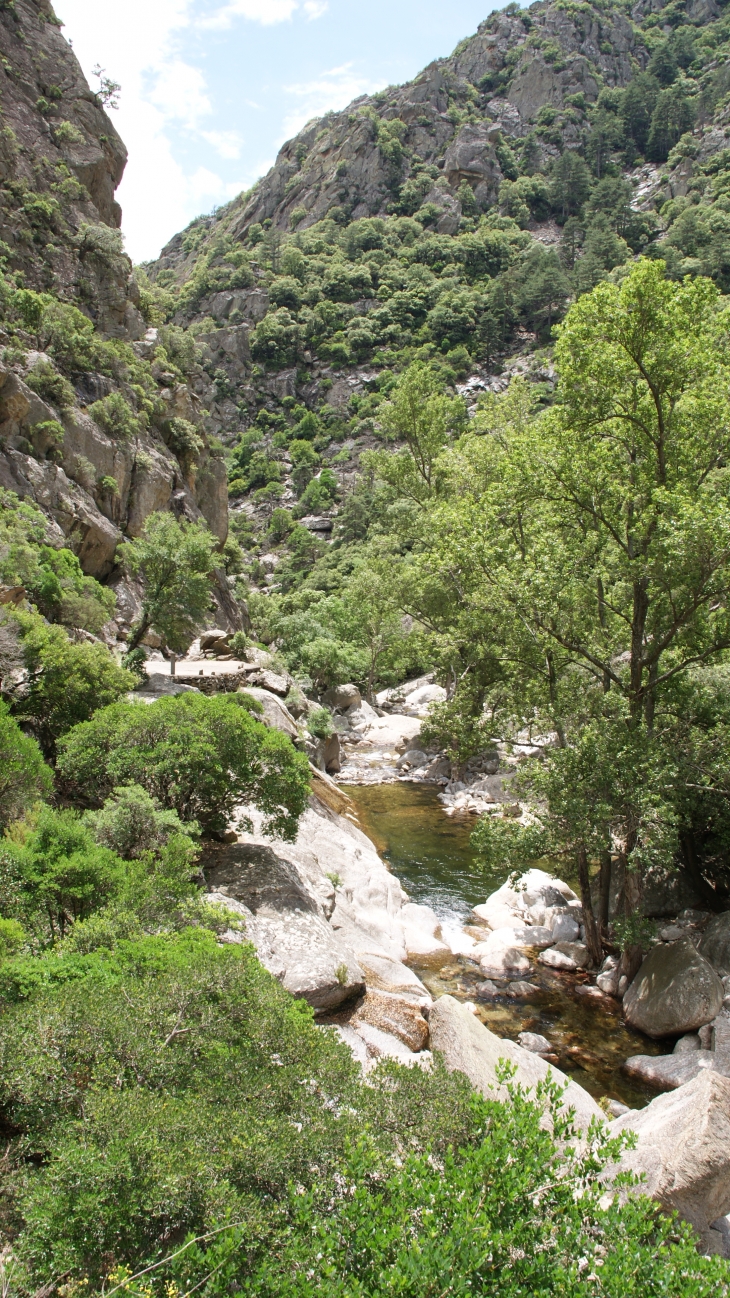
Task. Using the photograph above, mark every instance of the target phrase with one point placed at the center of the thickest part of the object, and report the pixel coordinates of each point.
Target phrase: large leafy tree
(198, 756)
(592, 547)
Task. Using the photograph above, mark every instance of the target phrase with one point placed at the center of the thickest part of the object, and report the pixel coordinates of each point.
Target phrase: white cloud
(328, 92)
(315, 8)
(266, 12)
(180, 92)
(226, 143)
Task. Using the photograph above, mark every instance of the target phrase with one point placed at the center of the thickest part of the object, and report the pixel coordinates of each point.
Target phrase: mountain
(450, 220)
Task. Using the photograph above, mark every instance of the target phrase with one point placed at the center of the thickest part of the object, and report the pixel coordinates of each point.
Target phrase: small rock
(534, 1042)
(488, 990)
(616, 1108)
(672, 933)
(623, 983)
(686, 1044)
(521, 990)
(608, 982)
(555, 959)
(705, 1036)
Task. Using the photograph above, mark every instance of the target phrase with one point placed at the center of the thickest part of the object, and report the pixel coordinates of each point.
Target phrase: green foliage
(132, 823)
(24, 776)
(319, 723)
(44, 379)
(115, 417)
(66, 682)
(174, 561)
(199, 756)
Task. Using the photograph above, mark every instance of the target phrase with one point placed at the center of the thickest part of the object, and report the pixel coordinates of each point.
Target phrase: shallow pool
(431, 854)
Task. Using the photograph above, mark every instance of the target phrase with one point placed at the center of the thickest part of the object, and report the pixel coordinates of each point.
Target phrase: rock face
(287, 919)
(470, 1048)
(715, 943)
(675, 991)
(684, 1151)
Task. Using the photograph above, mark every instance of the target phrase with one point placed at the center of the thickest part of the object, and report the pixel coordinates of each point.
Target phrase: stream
(432, 856)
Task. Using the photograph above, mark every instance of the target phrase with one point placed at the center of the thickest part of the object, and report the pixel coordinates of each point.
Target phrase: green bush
(175, 561)
(132, 823)
(51, 386)
(115, 417)
(67, 682)
(200, 757)
(24, 776)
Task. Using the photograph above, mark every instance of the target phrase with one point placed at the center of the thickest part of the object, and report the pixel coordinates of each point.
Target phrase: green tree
(24, 776)
(199, 757)
(671, 118)
(132, 823)
(423, 417)
(570, 184)
(65, 682)
(175, 561)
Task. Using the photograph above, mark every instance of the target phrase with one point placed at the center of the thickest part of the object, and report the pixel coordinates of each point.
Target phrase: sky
(211, 89)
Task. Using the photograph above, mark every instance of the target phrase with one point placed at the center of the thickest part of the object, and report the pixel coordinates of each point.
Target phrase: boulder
(400, 1015)
(470, 1048)
(667, 1072)
(287, 921)
(158, 686)
(420, 926)
(683, 1149)
(715, 943)
(576, 951)
(556, 959)
(502, 954)
(565, 928)
(391, 976)
(272, 681)
(676, 990)
(686, 1044)
(275, 714)
(342, 696)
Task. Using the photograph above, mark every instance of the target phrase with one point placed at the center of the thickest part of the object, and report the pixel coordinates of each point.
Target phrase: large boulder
(421, 925)
(468, 1047)
(276, 714)
(342, 696)
(287, 924)
(683, 1150)
(676, 990)
(667, 1072)
(715, 943)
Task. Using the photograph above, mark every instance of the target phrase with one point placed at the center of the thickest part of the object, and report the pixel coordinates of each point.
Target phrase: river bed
(431, 855)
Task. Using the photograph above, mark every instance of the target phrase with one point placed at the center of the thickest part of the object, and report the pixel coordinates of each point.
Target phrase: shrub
(24, 776)
(67, 133)
(200, 757)
(319, 723)
(51, 386)
(115, 417)
(132, 823)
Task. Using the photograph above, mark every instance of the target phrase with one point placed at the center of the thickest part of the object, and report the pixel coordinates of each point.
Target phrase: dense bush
(200, 757)
(24, 776)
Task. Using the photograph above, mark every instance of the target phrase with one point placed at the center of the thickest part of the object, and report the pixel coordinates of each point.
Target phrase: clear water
(431, 854)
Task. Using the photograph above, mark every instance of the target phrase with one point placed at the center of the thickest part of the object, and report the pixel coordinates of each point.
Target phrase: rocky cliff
(98, 425)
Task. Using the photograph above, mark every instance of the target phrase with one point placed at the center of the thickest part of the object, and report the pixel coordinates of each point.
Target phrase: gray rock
(275, 714)
(666, 1072)
(576, 951)
(565, 928)
(470, 1048)
(715, 943)
(557, 959)
(521, 990)
(683, 1150)
(675, 991)
(272, 681)
(288, 922)
(616, 1108)
(534, 1042)
(342, 696)
(158, 686)
(686, 1044)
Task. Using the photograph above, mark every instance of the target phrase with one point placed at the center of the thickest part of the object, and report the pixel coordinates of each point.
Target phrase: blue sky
(212, 88)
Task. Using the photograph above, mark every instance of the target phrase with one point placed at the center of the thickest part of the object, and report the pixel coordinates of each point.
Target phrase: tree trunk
(604, 896)
(138, 633)
(593, 939)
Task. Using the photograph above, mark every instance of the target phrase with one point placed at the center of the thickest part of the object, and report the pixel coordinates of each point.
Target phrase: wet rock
(470, 1048)
(675, 991)
(715, 943)
(488, 990)
(683, 1150)
(521, 990)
